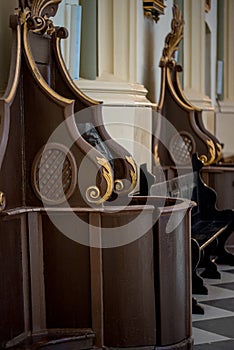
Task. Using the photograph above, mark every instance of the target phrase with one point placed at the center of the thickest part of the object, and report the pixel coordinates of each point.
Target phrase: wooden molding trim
(153, 9)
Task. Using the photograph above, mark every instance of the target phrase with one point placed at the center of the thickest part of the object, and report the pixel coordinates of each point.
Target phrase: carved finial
(153, 9)
(37, 14)
(173, 38)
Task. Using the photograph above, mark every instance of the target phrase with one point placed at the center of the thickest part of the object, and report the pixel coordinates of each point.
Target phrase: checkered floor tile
(215, 329)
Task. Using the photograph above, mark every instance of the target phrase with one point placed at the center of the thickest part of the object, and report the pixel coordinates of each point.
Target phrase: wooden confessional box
(82, 263)
(182, 131)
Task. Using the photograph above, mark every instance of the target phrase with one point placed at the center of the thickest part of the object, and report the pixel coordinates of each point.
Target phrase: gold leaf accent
(93, 193)
(203, 159)
(219, 151)
(2, 201)
(119, 186)
(156, 156)
(174, 37)
(133, 173)
(211, 147)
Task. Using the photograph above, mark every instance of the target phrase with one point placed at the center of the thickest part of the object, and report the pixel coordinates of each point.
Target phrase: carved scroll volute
(93, 193)
(125, 168)
(126, 184)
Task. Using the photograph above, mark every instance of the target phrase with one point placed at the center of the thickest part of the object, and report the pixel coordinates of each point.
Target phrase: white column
(133, 33)
(127, 112)
(117, 39)
(225, 113)
(229, 51)
(194, 46)
(105, 38)
(121, 39)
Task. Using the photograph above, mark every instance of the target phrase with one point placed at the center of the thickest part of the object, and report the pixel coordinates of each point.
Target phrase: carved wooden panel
(54, 174)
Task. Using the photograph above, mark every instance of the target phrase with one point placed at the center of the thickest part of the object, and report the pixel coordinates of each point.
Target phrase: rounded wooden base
(186, 344)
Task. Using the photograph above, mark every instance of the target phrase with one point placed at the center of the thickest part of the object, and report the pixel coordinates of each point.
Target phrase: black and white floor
(215, 329)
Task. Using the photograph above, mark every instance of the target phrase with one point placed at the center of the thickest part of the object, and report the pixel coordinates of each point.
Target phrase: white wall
(225, 108)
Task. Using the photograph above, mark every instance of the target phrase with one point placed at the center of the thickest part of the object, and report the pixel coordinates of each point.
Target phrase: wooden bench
(210, 227)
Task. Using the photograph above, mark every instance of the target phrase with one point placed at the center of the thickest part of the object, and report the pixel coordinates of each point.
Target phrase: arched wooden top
(177, 109)
(40, 96)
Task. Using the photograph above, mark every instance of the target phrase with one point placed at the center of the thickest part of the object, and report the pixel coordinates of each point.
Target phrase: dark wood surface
(131, 290)
(12, 289)
(221, 179)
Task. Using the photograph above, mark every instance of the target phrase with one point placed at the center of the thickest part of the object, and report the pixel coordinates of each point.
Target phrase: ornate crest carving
(173, 38)
(37, 14)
